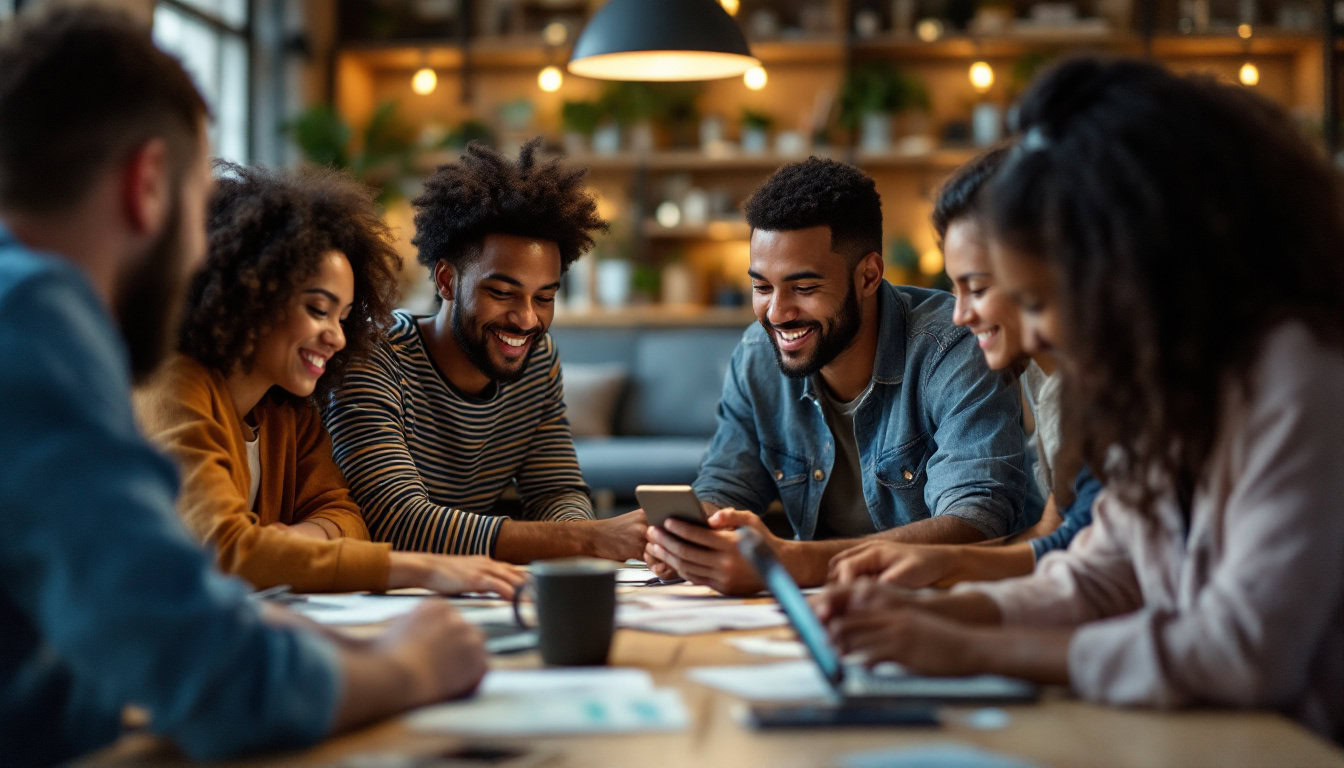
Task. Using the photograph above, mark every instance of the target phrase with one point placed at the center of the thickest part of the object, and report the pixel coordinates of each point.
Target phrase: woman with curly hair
(1178, 241)
(298, 278)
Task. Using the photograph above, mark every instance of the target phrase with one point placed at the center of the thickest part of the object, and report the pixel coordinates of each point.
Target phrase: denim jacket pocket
(790, 475)
(900, 473)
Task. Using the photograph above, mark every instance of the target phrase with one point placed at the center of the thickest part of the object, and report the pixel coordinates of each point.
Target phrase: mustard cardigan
(187, 410)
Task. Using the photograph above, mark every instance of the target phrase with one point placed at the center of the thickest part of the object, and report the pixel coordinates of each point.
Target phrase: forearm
(375, 685)
(974, 563)
(968, 607)
(525, 541)
(944, 529)
(809, 561)
(1041, 655)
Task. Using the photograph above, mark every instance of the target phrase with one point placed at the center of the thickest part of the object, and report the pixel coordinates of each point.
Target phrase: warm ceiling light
(1249, 74)
(1244, 31)
(731, 6)
(755, 78)
(929, 30)
(982, 76)
(661, 40)
(555, 33)
(550, 79)
(424, 81)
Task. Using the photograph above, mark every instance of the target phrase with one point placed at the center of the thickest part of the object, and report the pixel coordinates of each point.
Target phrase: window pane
(217, 62)
(231, 12)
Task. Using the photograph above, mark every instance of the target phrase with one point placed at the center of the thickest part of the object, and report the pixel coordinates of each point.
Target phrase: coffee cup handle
(517, 596)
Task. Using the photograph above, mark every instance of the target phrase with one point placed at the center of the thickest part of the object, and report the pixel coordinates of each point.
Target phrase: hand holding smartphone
(663, 501)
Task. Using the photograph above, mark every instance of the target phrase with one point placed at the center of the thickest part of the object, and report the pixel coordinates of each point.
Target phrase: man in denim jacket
(856, 403)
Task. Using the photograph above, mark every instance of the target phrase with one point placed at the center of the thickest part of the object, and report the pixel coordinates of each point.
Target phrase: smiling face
(1030, 283)
(293, 353)
(804, 296)
(503, 301)
(982, 305)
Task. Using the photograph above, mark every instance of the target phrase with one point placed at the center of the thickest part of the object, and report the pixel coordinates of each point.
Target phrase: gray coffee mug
(576, 609)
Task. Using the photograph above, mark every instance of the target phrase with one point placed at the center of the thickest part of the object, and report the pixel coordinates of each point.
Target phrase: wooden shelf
(655, 315)
(528, 51)
(721, 229)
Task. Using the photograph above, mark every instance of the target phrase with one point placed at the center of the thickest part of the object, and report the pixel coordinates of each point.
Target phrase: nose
(781, 309)
(334, 336)
(962, 314)
(524, 316)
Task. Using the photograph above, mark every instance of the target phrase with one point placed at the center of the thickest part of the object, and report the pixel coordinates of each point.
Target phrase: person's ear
(444, 280)
(868, 273)
(146, 187)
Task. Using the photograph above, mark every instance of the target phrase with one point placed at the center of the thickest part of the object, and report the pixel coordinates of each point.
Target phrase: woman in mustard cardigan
(298, 277)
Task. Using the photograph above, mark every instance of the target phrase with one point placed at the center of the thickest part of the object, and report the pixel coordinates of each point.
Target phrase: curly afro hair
(818, 192)
(484, 193)
(268, 231)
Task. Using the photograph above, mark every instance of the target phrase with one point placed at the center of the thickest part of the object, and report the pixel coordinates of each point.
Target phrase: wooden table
(1057, 731)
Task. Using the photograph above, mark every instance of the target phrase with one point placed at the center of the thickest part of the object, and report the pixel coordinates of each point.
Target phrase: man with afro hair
(857, 403)
(457, 406)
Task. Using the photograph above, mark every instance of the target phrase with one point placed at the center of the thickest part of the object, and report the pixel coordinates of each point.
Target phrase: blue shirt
(104, 600)
(1077, 517)
(938, 432)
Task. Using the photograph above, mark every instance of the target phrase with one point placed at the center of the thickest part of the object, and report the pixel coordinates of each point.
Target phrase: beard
(833, 337)
(474, 345)
(149, 298)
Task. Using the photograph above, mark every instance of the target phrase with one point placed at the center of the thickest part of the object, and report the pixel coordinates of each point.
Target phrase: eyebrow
(970, 275)
(336, 299)
(789, 278)
(511, 281)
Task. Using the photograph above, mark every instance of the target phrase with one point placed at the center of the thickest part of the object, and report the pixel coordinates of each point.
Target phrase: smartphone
(846, 714)
(663, 501)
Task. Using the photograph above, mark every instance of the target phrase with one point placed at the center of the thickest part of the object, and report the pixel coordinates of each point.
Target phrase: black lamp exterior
(623, 26)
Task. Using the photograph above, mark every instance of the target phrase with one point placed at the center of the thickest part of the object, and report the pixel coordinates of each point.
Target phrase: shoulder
(179, 391)
(755, 353)
(1294, 362)
(928, 316)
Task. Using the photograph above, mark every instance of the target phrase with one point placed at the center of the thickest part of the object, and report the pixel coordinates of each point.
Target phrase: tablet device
(663, 501)
(845, 714)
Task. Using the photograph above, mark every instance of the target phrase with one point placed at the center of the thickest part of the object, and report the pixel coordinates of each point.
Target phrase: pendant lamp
(661, 40)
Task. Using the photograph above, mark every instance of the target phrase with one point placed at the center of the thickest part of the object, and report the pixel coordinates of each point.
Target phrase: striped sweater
(427, 464)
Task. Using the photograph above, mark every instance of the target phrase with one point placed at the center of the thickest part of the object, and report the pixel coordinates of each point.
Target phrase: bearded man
(457, 406)
(856, 403)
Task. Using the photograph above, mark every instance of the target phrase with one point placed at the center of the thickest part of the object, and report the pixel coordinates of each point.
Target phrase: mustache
(515, 330)
(795, 325)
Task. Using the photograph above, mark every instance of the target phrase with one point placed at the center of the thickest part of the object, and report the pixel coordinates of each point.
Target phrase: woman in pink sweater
(1178, 243)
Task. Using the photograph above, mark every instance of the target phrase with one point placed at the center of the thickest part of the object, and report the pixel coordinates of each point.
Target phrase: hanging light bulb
(1244, 31)
(550, 79)
(731, 6)
(982, 76)
(755, 78)
(1249, 74)
(424, 81)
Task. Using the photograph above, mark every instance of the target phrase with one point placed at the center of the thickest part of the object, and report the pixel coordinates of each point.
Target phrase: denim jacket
(938, 432)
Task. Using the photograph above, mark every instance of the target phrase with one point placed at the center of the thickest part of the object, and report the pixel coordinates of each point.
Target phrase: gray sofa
(642, 401)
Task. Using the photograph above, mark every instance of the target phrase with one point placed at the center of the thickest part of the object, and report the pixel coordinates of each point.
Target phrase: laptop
(855, 682)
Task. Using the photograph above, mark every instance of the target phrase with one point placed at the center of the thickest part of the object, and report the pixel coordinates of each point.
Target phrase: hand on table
(707, 556)
(452, 574)
(442, 653)
(894, 562)
(923, 642)
(863, 594)
(616, 538)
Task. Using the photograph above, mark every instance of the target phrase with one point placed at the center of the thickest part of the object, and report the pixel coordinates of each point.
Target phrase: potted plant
(579, 120)
(631, 106)
(872, 95)
(755, 131)
(383, 157)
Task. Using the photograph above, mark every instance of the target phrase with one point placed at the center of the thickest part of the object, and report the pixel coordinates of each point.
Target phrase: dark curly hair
(80, 88)
(963, 194)
(268, 231)
(1185, 219)
(484, 194)
(818, 192)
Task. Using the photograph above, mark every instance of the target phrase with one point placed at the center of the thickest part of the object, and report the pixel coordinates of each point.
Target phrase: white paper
(698, 617)
(630, 576)
(783, 681)
(506, 682)
(778, 647)
(600, 711)
(351, 609)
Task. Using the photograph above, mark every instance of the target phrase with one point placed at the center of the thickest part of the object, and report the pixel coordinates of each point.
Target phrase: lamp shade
(661, 40)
